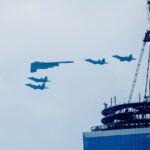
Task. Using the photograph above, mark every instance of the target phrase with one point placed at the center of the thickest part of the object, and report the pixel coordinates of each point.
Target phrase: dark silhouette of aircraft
(125, 58)
(45, 65)
(100, 62)
(44, 80)
(37, 87)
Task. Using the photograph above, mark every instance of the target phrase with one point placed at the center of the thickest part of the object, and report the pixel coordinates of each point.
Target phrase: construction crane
(136, 73)
(148, 2)
(146, 39)
(147, 77)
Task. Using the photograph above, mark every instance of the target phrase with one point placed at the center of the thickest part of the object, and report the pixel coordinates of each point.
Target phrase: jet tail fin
(103, 60)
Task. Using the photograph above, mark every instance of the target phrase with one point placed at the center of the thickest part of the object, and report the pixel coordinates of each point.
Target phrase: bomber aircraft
(45, 65)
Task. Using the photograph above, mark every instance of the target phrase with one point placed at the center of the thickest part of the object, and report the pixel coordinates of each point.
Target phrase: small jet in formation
(44, 80)
(125, 58)
(45, 65)
(99, 62)
(37, 87)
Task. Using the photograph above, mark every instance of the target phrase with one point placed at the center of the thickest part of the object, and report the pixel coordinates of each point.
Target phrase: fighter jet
(44, 80)
(125, 58)
(99, 62)
(37, 87)
(45, 65)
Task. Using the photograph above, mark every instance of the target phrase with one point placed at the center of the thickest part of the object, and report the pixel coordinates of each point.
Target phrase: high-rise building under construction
(125, 126)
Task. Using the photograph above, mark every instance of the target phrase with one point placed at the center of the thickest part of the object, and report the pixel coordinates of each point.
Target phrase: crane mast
(147, 77)
(136, 74)
(146, 39)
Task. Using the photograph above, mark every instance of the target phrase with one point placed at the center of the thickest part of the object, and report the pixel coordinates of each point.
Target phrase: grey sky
(53, 30)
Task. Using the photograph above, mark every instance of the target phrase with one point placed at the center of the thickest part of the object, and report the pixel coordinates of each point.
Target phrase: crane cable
(140, 60)
(136, 73)
(147, 76)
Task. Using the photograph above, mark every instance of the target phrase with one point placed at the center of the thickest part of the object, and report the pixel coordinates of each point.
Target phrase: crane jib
(136, 73)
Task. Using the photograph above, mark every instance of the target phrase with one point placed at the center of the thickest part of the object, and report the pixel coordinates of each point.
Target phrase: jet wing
(32, 86)
(44, 80)
(34, 79)
(119, 57)
(45, 65)
(90, 61)
(35, 87)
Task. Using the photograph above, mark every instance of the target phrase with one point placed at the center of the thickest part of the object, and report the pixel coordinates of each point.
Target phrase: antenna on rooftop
(115, 100)
(111, 101)
(139, 97)
(105, 105)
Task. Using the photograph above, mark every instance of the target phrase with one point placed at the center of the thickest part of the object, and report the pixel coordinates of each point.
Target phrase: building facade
(124, 139)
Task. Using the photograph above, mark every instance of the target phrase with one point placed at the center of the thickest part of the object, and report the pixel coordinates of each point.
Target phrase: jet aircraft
(45, 65)
(125, 58)
(37, 87)
(44, 80)
(100, 62)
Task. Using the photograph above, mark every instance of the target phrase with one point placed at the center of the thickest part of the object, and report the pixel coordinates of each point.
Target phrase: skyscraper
(125, 126)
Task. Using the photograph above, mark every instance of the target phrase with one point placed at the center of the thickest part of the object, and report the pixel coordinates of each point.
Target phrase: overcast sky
(57, 30)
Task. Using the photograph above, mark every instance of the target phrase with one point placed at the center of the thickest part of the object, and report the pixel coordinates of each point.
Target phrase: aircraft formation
(35, 66)
(41, 86)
